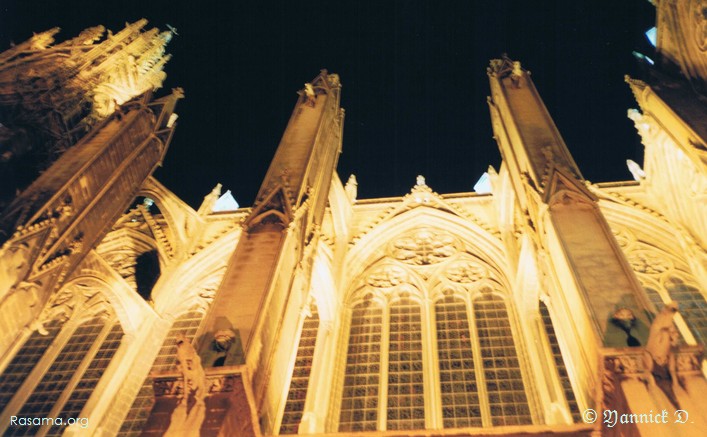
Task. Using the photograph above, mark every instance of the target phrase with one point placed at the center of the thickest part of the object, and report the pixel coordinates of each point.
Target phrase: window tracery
(424, 246)
(665, 278)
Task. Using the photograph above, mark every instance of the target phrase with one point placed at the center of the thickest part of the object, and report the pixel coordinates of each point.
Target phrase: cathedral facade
(542, 304)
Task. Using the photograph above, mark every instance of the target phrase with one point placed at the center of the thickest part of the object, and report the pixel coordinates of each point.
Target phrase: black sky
(413, 74)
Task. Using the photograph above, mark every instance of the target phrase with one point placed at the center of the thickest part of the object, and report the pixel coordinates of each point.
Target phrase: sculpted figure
(516, 74)
(187, 422)
(662, 337)
(309, 92)
(13, 266)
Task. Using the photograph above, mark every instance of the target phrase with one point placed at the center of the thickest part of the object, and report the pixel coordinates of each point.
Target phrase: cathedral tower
(88, 106)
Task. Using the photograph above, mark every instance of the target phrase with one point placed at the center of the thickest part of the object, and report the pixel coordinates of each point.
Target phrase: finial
(210, 199)
(636, 170)
(420, 181)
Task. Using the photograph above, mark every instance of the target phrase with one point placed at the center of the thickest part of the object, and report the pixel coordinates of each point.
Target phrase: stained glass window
(406, 398)
(460, 397)
(359, 405)
(24, 361)
(90, 378)
(165, 361)
(655, 298)
(504, 382)
(52, 385)
(559, 363)
(300, 375)
(692, 305)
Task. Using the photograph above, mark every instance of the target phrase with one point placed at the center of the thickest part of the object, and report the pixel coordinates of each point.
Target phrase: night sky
(413, 74)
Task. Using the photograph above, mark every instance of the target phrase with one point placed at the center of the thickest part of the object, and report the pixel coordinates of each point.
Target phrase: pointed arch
(179, 216)
(474, 239)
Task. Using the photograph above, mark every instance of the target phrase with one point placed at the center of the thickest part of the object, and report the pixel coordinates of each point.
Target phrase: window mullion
(383, 381)
(430, 368)
(478, 367)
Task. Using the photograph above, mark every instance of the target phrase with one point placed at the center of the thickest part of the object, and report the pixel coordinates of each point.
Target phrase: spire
(553, 195)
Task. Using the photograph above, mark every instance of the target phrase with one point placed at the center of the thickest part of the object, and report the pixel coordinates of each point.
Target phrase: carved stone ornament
(13, 266)
(333, 80)
(172, 386)
(465, 272)
(698, 19)
(387, 276)
(628, 364)
(688, 361)
(423, 247)
(123, 261)
(648, 262)
(67, 301)
(623, 237)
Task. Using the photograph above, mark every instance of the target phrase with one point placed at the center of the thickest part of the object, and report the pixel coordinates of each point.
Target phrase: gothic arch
(93, 290)
(179, 216)
(175, 290)
(664, 268)
(383, 278)
(197, 294)
(323, 285)
(473, 238)
(661, 233)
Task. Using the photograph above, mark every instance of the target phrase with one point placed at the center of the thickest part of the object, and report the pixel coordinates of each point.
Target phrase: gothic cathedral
(542, 305)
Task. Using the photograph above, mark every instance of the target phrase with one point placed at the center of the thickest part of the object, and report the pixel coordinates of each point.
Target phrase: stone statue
(309, 92)
(13, 266)
(662, 335)
(662, 338)
(636, 170)
(516, 74)
(351, 188)
(187, 422)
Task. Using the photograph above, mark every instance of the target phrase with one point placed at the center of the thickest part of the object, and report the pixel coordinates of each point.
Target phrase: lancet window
(297, 394)
(57, 369)
(461, 406)
(90, 377)
(359, 406)
(559, 362)
(25, 360)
